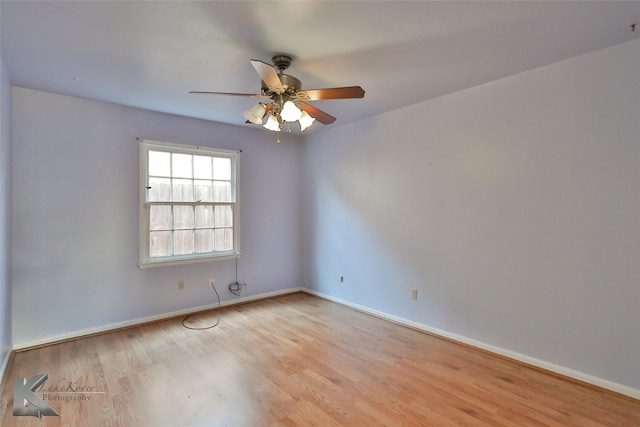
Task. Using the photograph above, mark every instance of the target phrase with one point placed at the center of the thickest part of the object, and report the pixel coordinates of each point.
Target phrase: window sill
(143, 265)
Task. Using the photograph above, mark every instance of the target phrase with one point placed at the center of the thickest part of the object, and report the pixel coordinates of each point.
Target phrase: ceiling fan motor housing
(291, 84)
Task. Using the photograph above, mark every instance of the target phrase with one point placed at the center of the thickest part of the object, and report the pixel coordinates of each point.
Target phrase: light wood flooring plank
(299, 360)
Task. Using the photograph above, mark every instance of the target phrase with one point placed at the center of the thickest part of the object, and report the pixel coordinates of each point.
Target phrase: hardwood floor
(297, 360)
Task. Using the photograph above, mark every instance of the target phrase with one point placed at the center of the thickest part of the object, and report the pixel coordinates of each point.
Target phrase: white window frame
(145, 260)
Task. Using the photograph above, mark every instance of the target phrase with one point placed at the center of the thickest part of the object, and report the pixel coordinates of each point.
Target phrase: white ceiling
(150, 54)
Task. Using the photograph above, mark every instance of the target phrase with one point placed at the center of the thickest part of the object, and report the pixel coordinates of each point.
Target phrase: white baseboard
(567, 372)
(129, 323)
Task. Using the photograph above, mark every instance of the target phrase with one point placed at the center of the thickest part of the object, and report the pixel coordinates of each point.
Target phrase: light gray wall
(75, 206)
(5, 216)
(513, 208)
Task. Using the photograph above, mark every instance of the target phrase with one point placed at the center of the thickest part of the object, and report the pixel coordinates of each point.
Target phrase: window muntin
(189, 203)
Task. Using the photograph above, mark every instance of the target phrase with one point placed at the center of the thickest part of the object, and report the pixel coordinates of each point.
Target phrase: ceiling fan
(287, 101)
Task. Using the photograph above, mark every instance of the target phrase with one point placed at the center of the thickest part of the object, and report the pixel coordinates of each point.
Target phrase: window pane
(202, 167)
(159, 217)
(204, 216)
(203, 191)
(160, 190)
(189, 202)
(222, 168)
(204, 241)
(182, 217)
(221, 191)
(223, 239)
(182, 190)
(181, 166)
(159, 243)
(183, 242)
(159, 163)
(223, 216)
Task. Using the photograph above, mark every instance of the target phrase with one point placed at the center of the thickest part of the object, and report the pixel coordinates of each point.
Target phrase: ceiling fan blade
(268, 75)
(316, 113)
(253, 95)
(331, 93)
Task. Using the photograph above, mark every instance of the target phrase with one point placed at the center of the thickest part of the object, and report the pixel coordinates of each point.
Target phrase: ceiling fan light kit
(290, 113)
(255, 114)
(287, 99)
(272, 123)
(305, 120)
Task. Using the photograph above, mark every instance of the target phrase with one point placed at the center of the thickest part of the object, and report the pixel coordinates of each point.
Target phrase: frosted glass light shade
(272, 123)
(255, 114)
(290, 113)
(305, 120)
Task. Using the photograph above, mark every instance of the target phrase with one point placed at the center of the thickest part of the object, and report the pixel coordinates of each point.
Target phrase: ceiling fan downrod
(281, 62)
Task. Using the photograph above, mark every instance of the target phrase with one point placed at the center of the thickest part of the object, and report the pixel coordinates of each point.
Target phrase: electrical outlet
(180, 284)
(341, 279)
(212, 282)
(414, 293)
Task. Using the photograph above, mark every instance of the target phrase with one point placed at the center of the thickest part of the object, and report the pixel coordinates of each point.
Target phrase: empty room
(319, 213)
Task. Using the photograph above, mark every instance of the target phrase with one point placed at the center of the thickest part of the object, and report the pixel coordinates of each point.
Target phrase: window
(189, 208)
